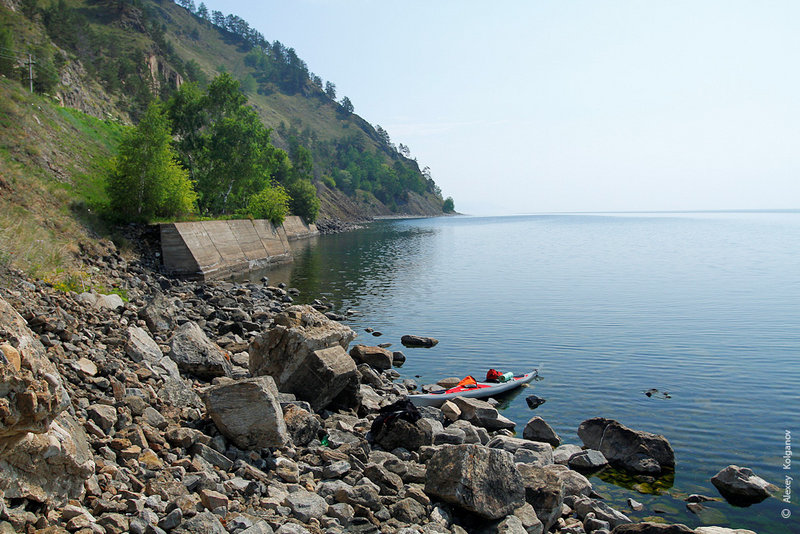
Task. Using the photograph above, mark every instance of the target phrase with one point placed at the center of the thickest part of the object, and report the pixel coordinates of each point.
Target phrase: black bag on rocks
(402, 409)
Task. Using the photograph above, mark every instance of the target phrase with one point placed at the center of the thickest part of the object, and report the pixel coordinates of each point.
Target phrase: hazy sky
(560, 105)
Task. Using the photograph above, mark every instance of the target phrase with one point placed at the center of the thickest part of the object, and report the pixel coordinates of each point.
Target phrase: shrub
(304, 201)
(271, 203)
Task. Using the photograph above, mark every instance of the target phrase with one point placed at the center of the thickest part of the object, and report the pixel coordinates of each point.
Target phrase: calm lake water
(705, 306)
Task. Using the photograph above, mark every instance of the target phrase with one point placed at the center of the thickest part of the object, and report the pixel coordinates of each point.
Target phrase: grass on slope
(51, 163)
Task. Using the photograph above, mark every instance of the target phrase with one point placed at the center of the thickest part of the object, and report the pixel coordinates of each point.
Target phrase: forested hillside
(115, 59)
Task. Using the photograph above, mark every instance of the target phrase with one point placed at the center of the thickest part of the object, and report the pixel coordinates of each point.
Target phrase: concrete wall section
(219, 249)
(296, 228)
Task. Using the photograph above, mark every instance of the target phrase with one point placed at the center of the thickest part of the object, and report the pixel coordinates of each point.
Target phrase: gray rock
(159, 314)
(632, 450)
(418, 341)
(154, 418)
(388, 482)
(543, 491)
(109, 302)
(141, 346)
(602, 511)
(171, 520)
(247, 412)
(739, 485)
(510, 525)
(342, 512)
(592, 524)
(398, 358)
(305, 505)
(301, 425)
(476, 478)
(481, 413)
(652, 528)
(408, 511)
(588, 460)
(196, 354)
(530, 522)
(537, 429)
(103, 416)
(202, 523)
(292, 528)
(305, 354)
(401, 433)
(562, 453)
(211, 456)
(336, 469)
(572, 482)
(375, 357)
(259, 527)
(524, 451)
(722, 530)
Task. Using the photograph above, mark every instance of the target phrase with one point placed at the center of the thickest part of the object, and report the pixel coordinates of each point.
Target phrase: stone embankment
(225, 408)
(209, 250)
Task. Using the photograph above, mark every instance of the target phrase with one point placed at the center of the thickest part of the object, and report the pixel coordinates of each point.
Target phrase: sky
(568, 105)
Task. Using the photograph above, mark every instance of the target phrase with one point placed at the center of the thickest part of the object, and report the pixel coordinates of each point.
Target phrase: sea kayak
(480, 390)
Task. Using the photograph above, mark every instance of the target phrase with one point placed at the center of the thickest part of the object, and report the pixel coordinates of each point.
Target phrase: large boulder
(740, 485)
(475, 478)
(305, 354)
(197, 355)
(248, 413)
(44, 453)
(543, 491)
(376, 357)
(632, 450)
(481, 413)
(537, 429)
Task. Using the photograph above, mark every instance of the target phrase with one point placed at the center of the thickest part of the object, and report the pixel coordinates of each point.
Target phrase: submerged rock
(418, 341)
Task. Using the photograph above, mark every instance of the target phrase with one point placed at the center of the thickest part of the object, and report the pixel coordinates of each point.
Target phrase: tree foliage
(448, 206)
(271, 203)
(304, 201)
(146, 180)
(225, 146)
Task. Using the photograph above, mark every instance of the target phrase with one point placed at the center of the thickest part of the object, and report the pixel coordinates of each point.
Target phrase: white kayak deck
(481, 391)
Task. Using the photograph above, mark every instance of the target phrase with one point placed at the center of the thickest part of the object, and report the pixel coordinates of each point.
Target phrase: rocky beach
(223, 407)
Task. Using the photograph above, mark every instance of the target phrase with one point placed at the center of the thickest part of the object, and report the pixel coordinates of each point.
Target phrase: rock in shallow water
(740, 485)
(632, 450)
(418, 341)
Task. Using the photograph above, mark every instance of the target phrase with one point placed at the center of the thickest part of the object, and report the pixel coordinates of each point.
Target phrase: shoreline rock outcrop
(632, 450)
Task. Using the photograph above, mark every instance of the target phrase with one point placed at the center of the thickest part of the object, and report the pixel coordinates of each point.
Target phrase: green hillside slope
(108, 58)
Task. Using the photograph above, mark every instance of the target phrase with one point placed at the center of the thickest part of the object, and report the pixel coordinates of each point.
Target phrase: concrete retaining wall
(220, 249)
